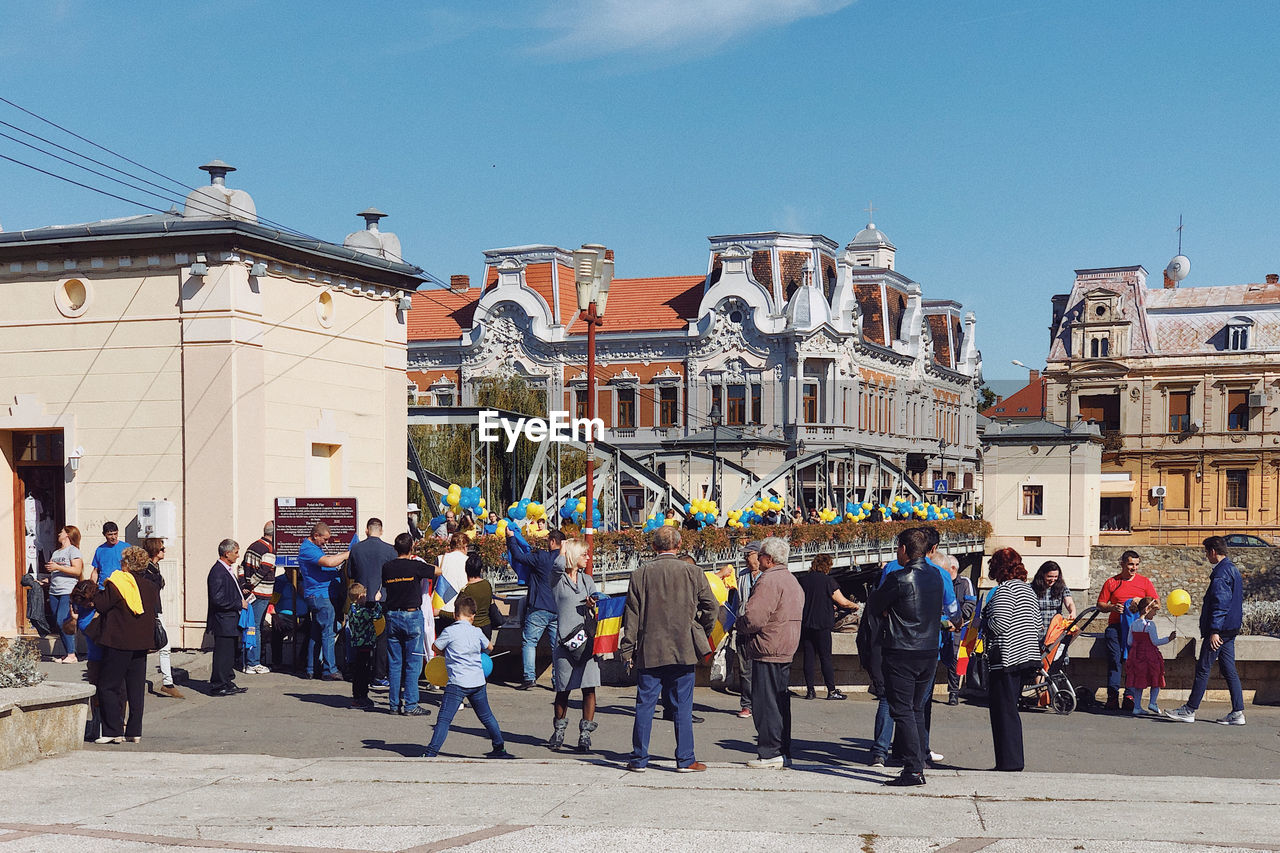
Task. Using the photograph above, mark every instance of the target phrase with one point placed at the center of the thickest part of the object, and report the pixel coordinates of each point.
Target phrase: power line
(207, 209)
(78, 184)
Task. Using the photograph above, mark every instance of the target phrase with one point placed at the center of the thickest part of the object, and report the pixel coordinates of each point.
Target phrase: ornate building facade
(1183, 383)
(804, 347)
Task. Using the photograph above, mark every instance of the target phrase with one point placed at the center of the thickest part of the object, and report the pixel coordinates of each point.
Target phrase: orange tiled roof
(1029, 398)
(441, 314)
(649, 304)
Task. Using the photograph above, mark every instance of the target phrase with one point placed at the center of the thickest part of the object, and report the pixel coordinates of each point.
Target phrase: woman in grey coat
(574, 593)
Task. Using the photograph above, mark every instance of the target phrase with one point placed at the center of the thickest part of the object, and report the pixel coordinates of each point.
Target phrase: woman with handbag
(1013, 644)
(155, 552)
(573, 663)
(127, 606)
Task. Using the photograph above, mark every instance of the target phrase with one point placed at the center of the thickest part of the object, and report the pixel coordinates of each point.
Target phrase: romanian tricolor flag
(970, 643)
(609, 624)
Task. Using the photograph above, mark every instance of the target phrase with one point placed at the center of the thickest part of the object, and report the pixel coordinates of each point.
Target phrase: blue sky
(1003, 144)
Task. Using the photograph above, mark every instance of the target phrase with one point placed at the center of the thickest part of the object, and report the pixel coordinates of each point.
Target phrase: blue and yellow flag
(609, 624)
(443, 595)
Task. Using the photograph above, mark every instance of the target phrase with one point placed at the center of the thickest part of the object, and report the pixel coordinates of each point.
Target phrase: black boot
(585, 728)
(557, 734)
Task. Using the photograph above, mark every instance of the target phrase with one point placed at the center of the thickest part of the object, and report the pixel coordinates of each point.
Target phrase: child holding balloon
(1145, 668)
(463, 646)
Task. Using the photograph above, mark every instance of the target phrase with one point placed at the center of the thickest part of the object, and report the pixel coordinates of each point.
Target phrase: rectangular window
(668, 400)
(1238, 488)
(1033, 500)
(736, 412)
(444, 398)
(811, 402)
(1238, 338)
(1238, 411)
(1102, 409)
(1179, 411)
(757, 407)
(580, 404)
(626, 408)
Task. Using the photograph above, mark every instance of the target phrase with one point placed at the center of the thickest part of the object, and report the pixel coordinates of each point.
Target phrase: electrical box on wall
(157, 519)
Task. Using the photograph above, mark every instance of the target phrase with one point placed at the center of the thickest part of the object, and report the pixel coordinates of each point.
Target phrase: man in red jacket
(771, 627)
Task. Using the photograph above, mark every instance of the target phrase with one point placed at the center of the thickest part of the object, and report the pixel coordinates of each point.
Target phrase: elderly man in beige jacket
(771, 626)
(670, 611)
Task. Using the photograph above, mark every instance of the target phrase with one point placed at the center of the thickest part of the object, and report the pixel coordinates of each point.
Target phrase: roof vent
(216, 201)
(1273, 278)
(373, 241)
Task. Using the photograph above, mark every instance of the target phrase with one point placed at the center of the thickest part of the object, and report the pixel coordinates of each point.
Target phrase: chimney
(1035, 377)
(459, 283)
(1169, 284)
(608, 254)
(1273, 278)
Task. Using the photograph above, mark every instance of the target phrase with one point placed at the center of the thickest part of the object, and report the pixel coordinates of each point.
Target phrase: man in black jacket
(910, 601)
(223, 621)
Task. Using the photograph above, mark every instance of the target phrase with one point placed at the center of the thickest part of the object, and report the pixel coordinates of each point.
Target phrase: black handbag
(580, 643)
(161, 638)
(496, 619)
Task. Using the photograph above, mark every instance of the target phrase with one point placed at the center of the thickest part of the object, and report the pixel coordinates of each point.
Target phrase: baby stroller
(1050, 687)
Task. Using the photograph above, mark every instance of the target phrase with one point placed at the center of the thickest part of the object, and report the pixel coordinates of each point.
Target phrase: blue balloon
(486, 663)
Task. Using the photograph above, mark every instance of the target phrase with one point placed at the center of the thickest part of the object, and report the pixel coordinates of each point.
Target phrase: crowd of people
(395, 611)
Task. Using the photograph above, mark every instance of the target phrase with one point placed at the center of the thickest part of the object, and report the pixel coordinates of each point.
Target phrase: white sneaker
(261, 670)
(1182, 714)
(935, 757)
(1235, 718)
(774, 763)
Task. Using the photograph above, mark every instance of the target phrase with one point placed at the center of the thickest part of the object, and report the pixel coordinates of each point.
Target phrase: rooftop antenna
(1179, 233)
(1179, 267)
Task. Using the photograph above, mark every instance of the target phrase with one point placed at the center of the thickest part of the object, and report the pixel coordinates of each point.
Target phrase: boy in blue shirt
(462, 643)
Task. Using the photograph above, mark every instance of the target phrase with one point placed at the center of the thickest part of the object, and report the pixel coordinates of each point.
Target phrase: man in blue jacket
(538, 570)
(1220, 619)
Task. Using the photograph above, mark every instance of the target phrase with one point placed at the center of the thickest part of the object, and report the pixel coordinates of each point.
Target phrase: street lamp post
(593, 273)
(715, 418)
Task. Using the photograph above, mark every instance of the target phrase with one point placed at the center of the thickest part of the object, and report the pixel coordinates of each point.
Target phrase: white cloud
(599, 27)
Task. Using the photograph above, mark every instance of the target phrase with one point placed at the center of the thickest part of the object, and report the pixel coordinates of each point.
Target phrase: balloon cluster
(829, 516)
(575, 510)
(469, 498)
(899, 508)
(526, 509)
(656, 520)
(704, 510)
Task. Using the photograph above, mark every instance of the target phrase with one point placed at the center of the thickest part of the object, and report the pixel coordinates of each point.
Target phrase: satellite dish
(1178, 268)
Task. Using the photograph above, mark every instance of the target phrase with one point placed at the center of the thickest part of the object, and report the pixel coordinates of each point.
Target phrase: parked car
(1247, 540)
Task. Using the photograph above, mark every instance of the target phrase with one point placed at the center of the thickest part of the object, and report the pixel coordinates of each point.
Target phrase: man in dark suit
(225, 604)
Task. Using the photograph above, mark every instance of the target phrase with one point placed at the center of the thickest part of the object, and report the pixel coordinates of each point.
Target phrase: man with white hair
(967, 601)
(771, 626)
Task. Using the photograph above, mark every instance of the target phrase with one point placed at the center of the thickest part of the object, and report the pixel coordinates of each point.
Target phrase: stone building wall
(1171, 567)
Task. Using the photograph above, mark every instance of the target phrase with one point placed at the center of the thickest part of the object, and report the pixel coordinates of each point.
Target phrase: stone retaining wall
(43, 720)
(1173, 567)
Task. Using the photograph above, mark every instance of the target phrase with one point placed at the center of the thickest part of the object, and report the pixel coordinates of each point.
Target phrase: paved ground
(288, 767)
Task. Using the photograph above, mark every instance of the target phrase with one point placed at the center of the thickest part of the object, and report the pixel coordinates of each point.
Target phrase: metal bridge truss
(835, 476)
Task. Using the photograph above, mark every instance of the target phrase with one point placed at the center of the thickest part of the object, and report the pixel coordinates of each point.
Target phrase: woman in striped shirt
(1014, 644)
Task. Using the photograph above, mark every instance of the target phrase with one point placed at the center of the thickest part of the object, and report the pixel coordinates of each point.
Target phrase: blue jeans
(883, 730)
(1226, 657)
(1115, 661)
(253, 654)
(404, 657)
(61, 605)
(535, 622)
(676, 680)
(453, 696)
(323, 634)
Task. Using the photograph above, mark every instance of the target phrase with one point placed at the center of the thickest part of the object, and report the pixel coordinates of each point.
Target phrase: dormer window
(1099, 347)
(1238, 334)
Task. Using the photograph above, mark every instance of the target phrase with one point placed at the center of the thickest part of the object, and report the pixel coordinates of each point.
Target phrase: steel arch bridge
(833, 474)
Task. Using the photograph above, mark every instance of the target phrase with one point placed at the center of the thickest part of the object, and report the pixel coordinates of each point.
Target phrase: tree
(986, 398)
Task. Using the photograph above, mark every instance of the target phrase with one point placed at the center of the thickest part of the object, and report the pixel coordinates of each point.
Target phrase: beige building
(1183, 382)
(200, 358)
(1041, 484)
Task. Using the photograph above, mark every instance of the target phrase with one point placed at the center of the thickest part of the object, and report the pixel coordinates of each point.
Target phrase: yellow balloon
(436, 672)
(1178, 602)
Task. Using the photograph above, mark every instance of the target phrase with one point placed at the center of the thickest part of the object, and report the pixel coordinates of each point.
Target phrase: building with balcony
(1183, 383)
(801, 345)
